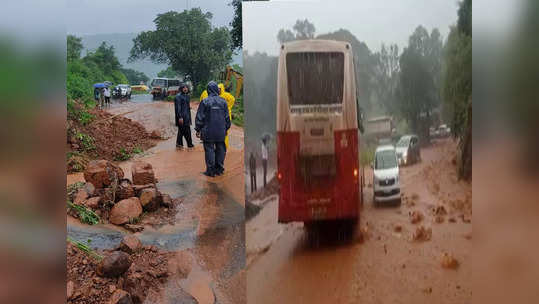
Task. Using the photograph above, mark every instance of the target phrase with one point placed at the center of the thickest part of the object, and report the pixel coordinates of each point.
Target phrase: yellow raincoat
(229, 101)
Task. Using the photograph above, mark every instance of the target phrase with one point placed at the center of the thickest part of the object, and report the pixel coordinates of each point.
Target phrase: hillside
(122, 44)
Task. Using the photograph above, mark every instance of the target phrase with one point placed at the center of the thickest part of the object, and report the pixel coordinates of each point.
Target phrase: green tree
(135, 77)
(457, 85)
(187, 42)
(74, 48)
(417, 91)
(364, 61)
(168, 73)
(387, 72)
(236, 31)
(105, 59)
(302, 30)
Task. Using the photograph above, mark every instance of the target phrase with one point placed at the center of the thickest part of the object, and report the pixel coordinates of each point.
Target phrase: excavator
(226, 77)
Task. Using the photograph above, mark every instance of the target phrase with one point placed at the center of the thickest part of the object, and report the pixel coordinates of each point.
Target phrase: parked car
(122, 91)
(444, 131)
(386, 182)
(408, 151)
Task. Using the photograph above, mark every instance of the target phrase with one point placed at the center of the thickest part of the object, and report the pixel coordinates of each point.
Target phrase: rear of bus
(317, 132)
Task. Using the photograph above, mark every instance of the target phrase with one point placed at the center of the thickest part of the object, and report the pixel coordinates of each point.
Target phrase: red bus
(317, 133)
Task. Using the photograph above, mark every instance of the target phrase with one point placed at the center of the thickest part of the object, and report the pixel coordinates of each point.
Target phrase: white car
(386, 183)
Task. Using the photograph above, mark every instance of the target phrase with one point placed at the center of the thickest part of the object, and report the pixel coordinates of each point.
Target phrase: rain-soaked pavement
(208, 233)
(284, 265)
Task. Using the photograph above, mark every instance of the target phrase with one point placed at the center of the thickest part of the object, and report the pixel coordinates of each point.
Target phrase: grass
(124, 155)
(86, 215)
(73, 188)
(237, 112)
(86, 141)
(86, 249)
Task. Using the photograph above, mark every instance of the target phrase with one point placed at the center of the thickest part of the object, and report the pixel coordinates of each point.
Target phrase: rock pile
(118, 199)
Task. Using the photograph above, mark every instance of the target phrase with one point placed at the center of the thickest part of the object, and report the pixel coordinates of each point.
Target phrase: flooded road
(207, 233)
(384, 265)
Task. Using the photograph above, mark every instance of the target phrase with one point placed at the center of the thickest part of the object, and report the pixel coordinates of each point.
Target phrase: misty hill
(122, 44)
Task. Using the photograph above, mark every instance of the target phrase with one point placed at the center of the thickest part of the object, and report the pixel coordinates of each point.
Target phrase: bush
(237, 112)
(86, 141)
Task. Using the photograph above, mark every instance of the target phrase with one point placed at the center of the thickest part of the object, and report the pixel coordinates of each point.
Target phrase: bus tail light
(355, 172)
(279, 176)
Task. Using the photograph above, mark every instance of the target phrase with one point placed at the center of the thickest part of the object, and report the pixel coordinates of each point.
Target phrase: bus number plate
(318, 212)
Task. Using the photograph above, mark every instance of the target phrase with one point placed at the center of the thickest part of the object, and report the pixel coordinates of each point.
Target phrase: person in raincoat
(182, 110)
(230, 100)
(211, 125)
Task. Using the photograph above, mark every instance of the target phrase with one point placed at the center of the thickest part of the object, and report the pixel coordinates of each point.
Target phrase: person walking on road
(211, 125)
(252, 169)
(182, 110)
(265, 158)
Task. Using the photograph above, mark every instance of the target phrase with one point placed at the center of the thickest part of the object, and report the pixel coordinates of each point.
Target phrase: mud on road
(206, 238)
(383, 263)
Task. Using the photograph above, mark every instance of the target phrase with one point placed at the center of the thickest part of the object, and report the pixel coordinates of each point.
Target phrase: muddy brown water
(386, 267)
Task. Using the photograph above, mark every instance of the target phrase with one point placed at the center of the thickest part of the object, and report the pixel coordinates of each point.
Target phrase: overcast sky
(133, 16)
(371, 21)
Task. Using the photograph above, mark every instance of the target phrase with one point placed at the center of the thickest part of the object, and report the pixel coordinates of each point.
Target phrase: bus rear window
(315, 78)
(159, 82)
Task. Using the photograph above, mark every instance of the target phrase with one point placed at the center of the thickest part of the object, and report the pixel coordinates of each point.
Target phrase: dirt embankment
(145, 278)
(103, 136)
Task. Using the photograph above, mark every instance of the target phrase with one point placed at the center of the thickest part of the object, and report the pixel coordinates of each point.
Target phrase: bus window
(315, 78)
(159, 82)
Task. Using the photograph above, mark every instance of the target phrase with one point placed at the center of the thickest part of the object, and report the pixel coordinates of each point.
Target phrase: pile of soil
(112, 138)
(146, 276)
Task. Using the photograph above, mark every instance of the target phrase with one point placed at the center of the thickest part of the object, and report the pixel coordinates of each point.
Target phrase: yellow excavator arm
(227, 76)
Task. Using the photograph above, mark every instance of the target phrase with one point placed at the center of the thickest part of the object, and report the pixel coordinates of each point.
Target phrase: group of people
(102, 95)
(212, 123)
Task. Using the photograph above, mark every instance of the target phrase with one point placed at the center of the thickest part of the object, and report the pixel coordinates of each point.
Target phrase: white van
(386, 182)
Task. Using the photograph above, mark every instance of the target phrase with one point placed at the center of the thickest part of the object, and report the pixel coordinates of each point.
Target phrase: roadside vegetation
(91, 132)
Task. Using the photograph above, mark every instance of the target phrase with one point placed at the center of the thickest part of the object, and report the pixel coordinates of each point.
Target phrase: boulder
(101, 173)
(422, 234)
(139, 188)
(120, 297)
(134, 228)
(415, 216)
(130, 244)
(90, 189)
(125, 190)
(114, 264)
(156, 134)
(167, 201)
(448, 261)
(93, 202)
(125, 211)
(142, 173)
(150, 199)
(70, 289)
(80, 197)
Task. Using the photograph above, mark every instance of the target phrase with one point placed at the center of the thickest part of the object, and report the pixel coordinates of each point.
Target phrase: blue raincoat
(212, 119)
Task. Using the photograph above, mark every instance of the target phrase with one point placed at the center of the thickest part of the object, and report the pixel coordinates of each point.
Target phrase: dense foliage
(97, 66)
(135, 77)
(187, 42)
